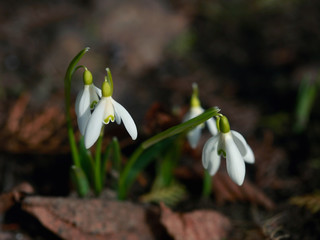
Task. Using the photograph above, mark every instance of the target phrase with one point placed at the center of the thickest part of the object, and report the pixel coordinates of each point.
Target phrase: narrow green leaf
(166, 165)
(67, 89)
(125, 181)
(207, 184)
(80, 180)
(116, 160)
(306, 97)
(181, 127)
(141, 160)
(86, 161)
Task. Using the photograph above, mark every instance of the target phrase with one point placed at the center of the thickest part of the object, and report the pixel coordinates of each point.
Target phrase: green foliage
(165, 187)
(79, 178)
(305, 100)
(170, 195)
(137, 162)
(183, 127)
(311, 202)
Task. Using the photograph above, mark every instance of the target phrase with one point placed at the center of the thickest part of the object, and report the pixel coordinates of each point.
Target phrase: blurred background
(258, 60)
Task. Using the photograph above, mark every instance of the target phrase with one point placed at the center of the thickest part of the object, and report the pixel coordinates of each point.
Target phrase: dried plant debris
(311, 202)
(196, 225)
(225, 190)
(90, 218)
(170, 195)
(8, 199)
(43, 132)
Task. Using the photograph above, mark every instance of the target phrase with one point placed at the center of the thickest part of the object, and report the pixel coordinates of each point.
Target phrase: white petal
(240, 142)
(84, 101)
(186, 117)
(83, 109)
(77, 101)
(98, 91)
(128, 122)
(235, 164)
(94, 98)
(109, 112)
(209, 148)
(83, 121)
(194, 136)
(212, 126)
(214, 163)
(249, 157)
(94, 125)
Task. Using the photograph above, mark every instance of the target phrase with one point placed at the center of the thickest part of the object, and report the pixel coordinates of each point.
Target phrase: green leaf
(186, 126)
(306, 97)
(116, 159)
(144, 158)
(80, 180)
(67, 89)
(113, 154)
(86, 161)
(207, 184)
(125, 181)
(169, 195)
(167, 164)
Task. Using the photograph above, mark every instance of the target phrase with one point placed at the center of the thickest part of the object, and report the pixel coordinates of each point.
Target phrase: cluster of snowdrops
(95, 108)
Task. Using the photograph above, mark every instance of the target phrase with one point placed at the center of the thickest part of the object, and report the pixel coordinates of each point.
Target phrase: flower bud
(87, 77)
(106, 89)
(224, 125)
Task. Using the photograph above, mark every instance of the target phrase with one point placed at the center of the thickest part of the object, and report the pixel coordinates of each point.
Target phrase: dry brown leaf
(8, 199)
(268, 160)
(90, 218)
(16, 113)
(196, 225)
(226, 190)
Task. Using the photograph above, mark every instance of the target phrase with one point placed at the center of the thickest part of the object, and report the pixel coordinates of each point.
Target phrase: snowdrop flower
(86, 99)
(105, 111)
(232, 146)
(195, 110)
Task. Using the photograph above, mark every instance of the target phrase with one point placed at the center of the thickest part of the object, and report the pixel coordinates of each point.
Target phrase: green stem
(98, 185)
(67, 91)
(207, 184)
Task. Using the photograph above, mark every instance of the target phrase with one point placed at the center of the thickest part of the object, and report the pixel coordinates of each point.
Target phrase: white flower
(86, 99)
(105, 111)
(194, 134)
(195, 110)
(233, 147)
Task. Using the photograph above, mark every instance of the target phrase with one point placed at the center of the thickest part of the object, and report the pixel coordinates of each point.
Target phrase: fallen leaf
(226, 190)
(196, 225)
(73, 218)
(8, 199)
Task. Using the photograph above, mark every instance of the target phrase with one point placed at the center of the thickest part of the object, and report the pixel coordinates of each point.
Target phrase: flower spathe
(233, 147)
(86, 99)
(107, 110)
(195, 110)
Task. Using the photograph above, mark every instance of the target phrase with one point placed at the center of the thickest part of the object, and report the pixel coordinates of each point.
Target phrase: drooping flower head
(86, 100)
(231, 145)
(107, 110)
(195, 110)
